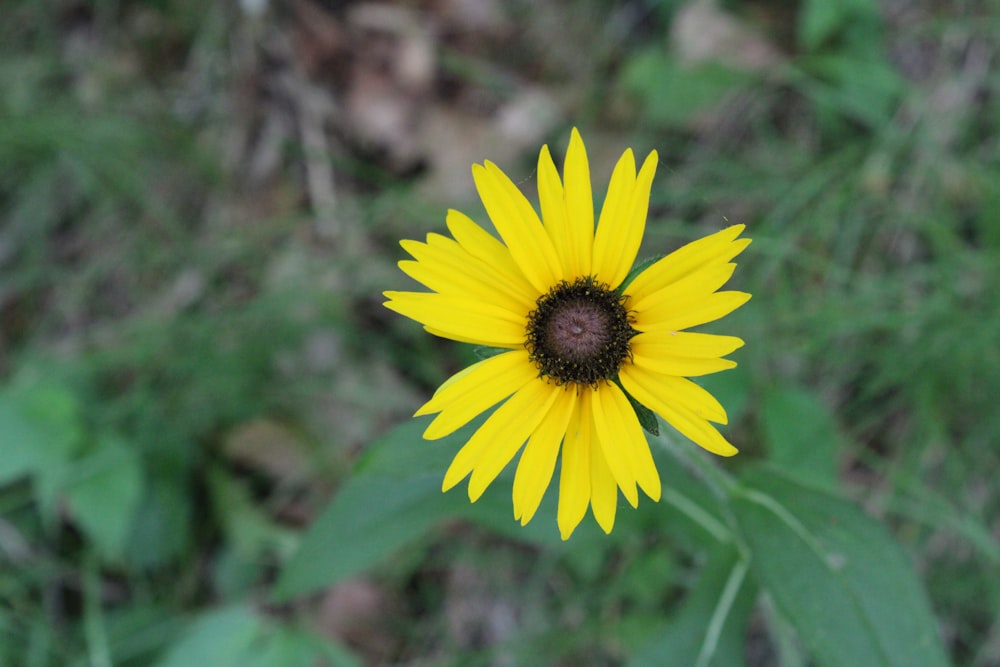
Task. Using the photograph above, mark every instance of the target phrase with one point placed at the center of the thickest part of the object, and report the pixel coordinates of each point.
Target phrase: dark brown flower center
(579, 333)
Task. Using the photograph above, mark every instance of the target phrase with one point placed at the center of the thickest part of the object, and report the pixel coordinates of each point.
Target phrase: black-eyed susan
(552, 293)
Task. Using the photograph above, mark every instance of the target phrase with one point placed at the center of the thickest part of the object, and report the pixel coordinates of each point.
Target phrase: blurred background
(201, 202)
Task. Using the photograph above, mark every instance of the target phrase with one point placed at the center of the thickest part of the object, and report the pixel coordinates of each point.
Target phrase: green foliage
(800, 434)
(820, 23)
(398, 485)
(96, 474)
(672, 94)
(847, 70)
(155, 299)
(835, 574)
(105, 495)
(724, 596)
(40, 421)
(237, 637)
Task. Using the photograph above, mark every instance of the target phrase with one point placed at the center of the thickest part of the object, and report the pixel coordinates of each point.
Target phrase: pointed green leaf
(636, 270)
(219, 638)
(40, 427)
(105, 495)
(485, 352)
(647, 418)
(291, 647)
(393, 497)
(836, 575)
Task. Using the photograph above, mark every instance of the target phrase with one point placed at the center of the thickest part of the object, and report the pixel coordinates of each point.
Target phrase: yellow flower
(551, 295)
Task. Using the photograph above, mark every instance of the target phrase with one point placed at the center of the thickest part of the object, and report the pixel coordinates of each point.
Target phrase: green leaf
(820, 21)
(220, 638)
(403, 451)
(10, 638)
(139, 632)
(636, 270)
(290, 647)
(237, 637)
(23, 443)
(864, 87)
(368, 519)
(393, 497)
(40, 427)
(104, 498)
(800, 434)
(836, 575)
(162, 530)
(710, 628)
(673, 95)
(250, 531)
(485, 352)
(647, 418)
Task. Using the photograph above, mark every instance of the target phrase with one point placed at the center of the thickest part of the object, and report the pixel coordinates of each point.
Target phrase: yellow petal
(466, 339)
(671, 390)
(684, 420)
(667, 353)
(553, 205)
(698, 430)
(715, 248)
(518, 225)
(623, 219)
(678, 295)
(532, 409)
(603, 490)
(506, 430)
(481, 244)
(684, 344)
(691, 314)
(612, 226)
(462, 318)
(538, 460)
(622, 440)
(579, 204)
(445, 280)
(446, 267)
(610, 429)
(574, 477)
(476, 389)
(683, 366)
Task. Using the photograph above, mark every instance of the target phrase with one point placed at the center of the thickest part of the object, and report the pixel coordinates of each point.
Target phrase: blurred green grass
(155, 300)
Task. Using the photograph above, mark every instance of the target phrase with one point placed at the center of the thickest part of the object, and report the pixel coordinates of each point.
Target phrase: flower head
(579, 339)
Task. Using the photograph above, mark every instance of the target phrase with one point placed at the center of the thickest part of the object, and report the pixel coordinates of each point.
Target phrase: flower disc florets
(579, 333)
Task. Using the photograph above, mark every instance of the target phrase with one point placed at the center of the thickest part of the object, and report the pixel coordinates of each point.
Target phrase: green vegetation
(206, 450)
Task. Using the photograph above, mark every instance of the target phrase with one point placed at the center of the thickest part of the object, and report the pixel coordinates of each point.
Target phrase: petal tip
(475, 491)
(650, 162)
